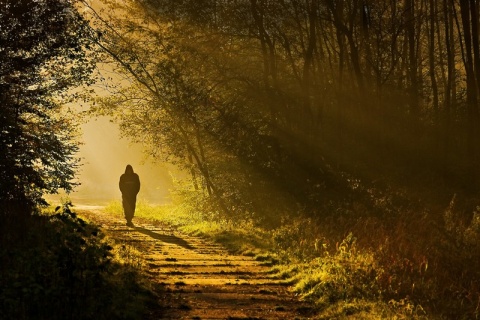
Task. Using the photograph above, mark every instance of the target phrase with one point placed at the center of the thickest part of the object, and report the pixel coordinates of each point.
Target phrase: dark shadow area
(165, 238)
(56, 266)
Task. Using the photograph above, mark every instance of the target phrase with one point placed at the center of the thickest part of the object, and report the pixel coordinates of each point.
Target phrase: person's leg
(134, 204)
(128, 209)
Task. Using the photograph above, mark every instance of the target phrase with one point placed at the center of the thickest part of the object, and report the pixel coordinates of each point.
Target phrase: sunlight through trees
(42, 58)
(302, 93)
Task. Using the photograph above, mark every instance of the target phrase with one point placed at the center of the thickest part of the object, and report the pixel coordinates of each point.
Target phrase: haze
(104, 157)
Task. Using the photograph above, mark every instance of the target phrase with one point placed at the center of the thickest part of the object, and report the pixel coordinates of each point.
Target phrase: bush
(62, 267)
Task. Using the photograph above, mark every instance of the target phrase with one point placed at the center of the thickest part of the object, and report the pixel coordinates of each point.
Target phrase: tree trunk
(431, 56)
(466, 10)
(412, 58)
(308, 66)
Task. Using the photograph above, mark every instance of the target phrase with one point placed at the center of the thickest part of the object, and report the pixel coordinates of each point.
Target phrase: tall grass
(420, 264)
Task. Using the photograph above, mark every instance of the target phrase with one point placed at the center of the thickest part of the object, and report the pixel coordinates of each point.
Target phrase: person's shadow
(165, 238)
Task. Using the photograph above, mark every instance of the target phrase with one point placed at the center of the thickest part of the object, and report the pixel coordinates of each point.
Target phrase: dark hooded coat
(129, 186)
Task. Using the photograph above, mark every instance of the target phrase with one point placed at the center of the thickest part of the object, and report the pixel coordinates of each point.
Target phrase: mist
(104, 156)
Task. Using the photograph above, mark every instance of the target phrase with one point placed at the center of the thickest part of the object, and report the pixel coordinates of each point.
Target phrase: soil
(201, 279)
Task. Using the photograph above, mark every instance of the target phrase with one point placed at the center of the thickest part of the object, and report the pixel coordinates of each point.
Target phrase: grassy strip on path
(238, 237)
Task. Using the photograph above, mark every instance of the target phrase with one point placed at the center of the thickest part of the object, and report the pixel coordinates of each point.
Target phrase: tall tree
(43, 57)
(290, 88)
(414, 90)
(469, 17)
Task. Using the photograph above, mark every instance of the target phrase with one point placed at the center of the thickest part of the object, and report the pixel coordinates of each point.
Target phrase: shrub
(64, 268)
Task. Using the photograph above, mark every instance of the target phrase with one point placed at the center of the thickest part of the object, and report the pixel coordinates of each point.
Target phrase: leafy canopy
(44, 55)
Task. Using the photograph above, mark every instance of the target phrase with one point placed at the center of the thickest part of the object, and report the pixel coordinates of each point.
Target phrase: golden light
(104, 157)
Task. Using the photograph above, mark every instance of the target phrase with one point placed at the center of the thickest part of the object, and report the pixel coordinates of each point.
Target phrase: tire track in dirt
(202, 279)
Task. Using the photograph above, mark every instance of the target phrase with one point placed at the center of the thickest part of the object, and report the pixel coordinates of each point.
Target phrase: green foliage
(45, 55)
(267, 110)
(62, 267)
(191, 104)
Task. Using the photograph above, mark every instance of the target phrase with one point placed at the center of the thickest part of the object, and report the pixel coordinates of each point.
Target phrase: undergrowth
(412, 263)
(58, 266)
(380, 262)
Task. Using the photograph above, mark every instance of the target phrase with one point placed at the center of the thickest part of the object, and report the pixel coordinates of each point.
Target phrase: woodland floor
(201, 279)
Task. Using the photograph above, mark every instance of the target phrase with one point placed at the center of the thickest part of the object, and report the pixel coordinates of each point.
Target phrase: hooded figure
(129, 186)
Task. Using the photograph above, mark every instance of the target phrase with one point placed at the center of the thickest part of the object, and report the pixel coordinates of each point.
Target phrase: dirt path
(202, 280)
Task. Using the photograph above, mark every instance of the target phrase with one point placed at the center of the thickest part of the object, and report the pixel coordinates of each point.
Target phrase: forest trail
(202, 279)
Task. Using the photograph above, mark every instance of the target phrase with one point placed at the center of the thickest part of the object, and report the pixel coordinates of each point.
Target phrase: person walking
(129, 186)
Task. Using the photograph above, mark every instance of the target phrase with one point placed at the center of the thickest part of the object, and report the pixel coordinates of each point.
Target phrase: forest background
(319, 119)
(350, 129)
(274, 100)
